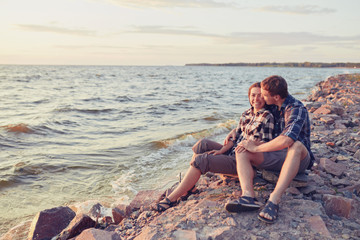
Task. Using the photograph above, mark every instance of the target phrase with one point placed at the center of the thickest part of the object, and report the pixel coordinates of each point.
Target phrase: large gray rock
(50, 222)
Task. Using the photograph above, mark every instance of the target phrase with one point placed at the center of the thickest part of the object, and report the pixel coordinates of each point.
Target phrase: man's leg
(296, 153)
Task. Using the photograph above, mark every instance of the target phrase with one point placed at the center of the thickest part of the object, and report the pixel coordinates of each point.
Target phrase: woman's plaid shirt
(255, 126)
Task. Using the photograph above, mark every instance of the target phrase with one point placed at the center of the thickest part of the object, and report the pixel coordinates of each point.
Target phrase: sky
(177, 32)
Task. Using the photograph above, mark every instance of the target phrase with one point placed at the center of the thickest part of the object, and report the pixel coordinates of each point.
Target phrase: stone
(76, 226)
(322, 110)
(97, 234)
(145, 198)
(340, 206)
(50, 222)
(120, 212)
(317, 225)
(357, 154)
(331, 167)
(148, 233)
(354, 188)
(185, 234)
(18, 232)
(271, 176)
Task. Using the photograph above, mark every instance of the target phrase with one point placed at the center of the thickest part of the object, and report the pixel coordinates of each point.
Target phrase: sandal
(243, 204)
(189, 193)
(272, 210)
(159, 206)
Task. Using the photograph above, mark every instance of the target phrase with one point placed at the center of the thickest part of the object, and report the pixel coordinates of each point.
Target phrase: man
(288, 153)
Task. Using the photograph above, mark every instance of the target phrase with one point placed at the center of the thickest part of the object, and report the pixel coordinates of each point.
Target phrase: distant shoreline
(287, 64)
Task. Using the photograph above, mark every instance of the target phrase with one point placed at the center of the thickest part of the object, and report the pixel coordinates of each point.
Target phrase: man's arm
(276, 144)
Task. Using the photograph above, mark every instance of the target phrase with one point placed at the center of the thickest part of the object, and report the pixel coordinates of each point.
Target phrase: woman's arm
(230, 136)
(223, 150)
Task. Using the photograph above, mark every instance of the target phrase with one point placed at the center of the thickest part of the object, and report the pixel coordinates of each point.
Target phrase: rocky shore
(324, 204)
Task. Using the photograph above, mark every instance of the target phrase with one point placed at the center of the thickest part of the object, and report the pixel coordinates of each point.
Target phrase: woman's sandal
(189, 193)
(159, 206)
(272, 210)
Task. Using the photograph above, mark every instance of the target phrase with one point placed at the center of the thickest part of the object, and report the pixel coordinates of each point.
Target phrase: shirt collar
(259, 112)
(289, 99)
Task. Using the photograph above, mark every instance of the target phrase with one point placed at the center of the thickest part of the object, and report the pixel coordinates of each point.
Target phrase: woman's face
(256, 99)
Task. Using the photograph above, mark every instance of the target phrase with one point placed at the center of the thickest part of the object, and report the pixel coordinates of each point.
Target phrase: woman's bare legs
(190, 179)
(244, 163)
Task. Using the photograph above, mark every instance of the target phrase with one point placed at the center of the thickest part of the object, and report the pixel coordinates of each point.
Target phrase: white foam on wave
(162, 166)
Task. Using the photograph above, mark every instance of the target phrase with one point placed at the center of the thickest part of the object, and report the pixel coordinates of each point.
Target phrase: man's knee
(298, 149)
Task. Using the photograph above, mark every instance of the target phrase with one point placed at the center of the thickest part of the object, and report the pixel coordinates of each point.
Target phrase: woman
(256, 123)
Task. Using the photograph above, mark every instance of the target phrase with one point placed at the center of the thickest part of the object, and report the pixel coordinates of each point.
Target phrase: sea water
(73, 133)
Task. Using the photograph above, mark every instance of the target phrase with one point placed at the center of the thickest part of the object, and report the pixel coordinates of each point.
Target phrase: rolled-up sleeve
(295, 118)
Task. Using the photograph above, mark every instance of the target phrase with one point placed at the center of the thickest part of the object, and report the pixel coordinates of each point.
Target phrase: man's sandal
(272, 210)
(159, 207)
(243, 204)
(189, 193)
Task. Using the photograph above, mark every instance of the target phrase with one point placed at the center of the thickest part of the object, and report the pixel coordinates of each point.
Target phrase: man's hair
(257, 84)
(275, 85)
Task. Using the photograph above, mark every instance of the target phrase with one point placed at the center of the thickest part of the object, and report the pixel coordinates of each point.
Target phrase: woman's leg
(190, 179)
(244, 166)
(200, 164)
(205, 145)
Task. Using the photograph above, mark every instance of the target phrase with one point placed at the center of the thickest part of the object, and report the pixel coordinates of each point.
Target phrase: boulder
(331, 167)
(317, 225)
(145, 199)
(120, 212)
(97, 234)
(341, 206)
(76, 226)
(50, 222)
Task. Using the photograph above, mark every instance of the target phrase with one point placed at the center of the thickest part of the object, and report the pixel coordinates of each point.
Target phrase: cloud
(288, 39)
(185, 31)
(252, 38)
(55, 29)
(300, 9)
(172, 3)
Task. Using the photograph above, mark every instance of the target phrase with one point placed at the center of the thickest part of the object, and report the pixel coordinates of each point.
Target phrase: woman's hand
(231, 135)
(215, 152)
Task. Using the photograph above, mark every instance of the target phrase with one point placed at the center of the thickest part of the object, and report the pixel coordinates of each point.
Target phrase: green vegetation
(287, 64)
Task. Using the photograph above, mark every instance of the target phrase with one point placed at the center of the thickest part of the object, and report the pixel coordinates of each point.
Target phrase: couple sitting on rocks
(274, 134)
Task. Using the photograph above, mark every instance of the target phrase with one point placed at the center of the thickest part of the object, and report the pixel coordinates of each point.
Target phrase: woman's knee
(200, 162)
(200, 146)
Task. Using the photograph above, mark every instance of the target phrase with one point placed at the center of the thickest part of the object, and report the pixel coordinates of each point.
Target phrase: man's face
(267, 97)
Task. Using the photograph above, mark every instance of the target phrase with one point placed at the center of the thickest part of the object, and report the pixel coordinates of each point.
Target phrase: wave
(187, 139)
(18, 128)
(90, 111)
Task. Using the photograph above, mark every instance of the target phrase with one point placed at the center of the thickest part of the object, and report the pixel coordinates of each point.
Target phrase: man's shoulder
(291, 102)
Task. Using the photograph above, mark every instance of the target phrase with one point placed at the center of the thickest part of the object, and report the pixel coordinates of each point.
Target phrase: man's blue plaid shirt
(292, 120)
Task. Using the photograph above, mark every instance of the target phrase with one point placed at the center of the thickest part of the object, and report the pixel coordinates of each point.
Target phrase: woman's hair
(275, 85)
(257, 84)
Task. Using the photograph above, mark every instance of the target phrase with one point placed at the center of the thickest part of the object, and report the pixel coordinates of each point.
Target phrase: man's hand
(239, 149)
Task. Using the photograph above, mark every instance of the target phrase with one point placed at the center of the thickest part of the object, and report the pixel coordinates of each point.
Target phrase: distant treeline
(288, 64)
